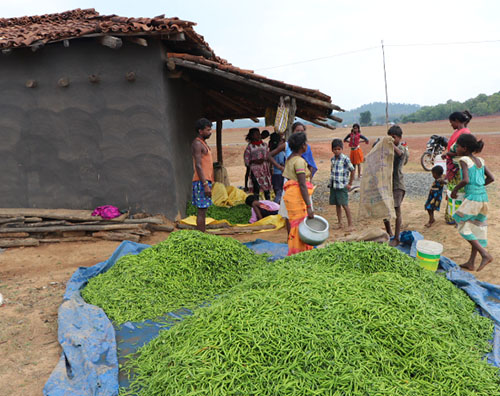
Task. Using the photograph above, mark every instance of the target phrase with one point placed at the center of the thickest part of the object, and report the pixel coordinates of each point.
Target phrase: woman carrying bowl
(298, 191)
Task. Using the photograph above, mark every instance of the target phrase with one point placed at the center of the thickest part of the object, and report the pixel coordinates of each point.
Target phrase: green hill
(377, 110)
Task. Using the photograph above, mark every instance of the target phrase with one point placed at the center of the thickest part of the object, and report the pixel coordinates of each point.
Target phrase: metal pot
(314, 231)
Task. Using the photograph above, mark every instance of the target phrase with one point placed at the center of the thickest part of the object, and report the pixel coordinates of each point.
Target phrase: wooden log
(15, 235)
(75, 228)
(116, 236)
(141, 232)
(72, 234)
(162, 227)
(138, 40)
(46, 223)
(58, 214)
(334, 118)
(110, 41)
(11, 220)
(17, 242)
(32, 219)
(70, 239)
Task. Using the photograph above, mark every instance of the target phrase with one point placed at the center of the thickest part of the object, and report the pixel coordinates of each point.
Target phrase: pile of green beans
(238, 214)
(349, 319)
(187, 269)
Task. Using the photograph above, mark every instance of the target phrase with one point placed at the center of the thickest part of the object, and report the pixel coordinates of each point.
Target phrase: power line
(376, 47)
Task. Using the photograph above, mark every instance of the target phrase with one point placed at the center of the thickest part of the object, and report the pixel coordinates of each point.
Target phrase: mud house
(100, 109)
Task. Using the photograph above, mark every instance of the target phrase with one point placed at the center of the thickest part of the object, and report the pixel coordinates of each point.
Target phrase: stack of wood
(30, 227)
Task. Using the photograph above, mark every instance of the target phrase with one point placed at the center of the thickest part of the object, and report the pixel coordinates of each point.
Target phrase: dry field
(32, 280)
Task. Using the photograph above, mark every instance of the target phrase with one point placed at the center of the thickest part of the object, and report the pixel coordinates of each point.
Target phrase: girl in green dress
(472, 214)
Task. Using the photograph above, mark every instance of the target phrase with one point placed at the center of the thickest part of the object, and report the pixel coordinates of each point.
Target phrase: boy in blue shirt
(341, 179)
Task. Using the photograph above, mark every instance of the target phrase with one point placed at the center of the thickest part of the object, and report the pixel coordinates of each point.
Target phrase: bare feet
(394, 242)
(339, 226)
(350, 228)
(485, 261)
(430, 223)
(468, 266)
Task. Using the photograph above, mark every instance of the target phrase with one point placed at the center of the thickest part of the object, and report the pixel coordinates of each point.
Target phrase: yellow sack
(219, 195)
(235, 196)
(276, 220)
(191, 220)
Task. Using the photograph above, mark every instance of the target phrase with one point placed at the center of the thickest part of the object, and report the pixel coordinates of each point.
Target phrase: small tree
(365, 118)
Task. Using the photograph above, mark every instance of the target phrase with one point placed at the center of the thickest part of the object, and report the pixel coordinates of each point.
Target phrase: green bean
(184, 271)
(349, 319)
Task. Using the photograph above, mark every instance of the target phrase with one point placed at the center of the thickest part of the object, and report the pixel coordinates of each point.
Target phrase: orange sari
(297, 211)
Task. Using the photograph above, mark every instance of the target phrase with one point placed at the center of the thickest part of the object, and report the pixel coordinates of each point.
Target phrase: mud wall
(115, 141)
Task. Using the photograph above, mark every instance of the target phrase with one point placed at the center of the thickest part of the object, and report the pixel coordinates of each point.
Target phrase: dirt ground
(33, 280)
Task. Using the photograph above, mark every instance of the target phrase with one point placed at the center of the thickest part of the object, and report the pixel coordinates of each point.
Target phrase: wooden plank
(32, 219)
(17, 242)
(254, 83)
(45, 223)
(141, 232)
(15, 235)
(59, 214)
(116, 236)
(75, 228)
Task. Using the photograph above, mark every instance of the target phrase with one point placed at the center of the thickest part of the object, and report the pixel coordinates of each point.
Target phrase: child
(341, 178)
(435, 194)
(354, 139)
(277, 175)
(398, 185)
(261, 209)
(471, 214)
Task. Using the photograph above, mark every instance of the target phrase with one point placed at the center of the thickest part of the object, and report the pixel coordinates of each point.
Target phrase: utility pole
(386, 95)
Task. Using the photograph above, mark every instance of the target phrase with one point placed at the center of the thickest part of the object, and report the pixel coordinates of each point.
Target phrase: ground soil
(33, 279)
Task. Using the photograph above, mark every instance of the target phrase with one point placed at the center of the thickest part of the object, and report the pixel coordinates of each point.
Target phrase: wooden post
(291, 117)
(219, 142)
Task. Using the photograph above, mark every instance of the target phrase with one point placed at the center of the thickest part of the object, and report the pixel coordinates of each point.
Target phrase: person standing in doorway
(203, 171)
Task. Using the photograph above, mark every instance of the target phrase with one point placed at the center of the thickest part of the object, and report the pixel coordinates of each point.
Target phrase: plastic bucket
(453, 204)
(428, 254)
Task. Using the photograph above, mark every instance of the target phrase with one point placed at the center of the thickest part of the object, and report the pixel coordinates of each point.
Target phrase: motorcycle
(435, 147)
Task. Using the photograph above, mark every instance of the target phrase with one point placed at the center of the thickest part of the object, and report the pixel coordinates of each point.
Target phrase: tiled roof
(250, 74)
(25, 31)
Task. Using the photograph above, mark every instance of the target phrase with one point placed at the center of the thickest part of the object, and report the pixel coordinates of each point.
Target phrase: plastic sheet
(89, 363)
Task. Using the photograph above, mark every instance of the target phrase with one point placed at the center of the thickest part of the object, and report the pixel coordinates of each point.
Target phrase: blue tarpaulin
(89, 362)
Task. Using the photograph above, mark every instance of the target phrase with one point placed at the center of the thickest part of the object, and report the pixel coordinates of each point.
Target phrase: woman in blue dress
(472, 214)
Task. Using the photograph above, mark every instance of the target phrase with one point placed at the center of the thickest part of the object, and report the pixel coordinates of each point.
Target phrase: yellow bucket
(428, 254)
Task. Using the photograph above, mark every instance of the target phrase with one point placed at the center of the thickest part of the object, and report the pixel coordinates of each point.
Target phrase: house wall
(88, 144)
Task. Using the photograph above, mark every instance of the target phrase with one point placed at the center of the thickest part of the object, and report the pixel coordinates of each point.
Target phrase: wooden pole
(219, 142)
(386, 95)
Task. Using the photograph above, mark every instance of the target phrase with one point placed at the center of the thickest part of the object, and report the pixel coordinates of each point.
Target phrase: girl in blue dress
(472, 214)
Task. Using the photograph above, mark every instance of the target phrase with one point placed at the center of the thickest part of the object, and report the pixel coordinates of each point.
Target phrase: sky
(434, 50)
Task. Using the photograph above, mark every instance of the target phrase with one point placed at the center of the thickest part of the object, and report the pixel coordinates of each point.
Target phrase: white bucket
(428, 254)
(441, 162)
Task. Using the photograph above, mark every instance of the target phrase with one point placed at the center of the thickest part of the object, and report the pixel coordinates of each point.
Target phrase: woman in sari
(458, 121)
(298, 191)
(257, 160)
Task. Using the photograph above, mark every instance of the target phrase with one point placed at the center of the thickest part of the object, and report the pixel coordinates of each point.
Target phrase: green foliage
(349, 319)
(239, 214)
(184, 271)
(480, 105)
(365, 118)
(377, 110)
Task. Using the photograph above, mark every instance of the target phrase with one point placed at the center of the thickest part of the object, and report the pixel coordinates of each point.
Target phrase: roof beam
(253, 83)
(111, 41)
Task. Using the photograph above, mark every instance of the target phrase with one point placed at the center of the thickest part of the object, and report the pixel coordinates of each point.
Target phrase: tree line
(481, 105)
